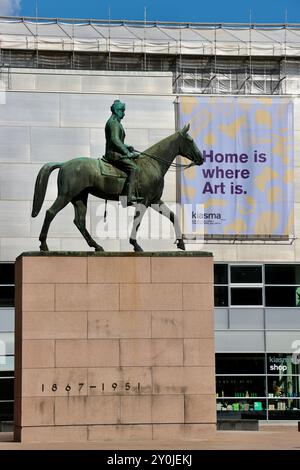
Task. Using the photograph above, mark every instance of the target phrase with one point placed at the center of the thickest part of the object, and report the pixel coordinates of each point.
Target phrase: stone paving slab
(285, 438)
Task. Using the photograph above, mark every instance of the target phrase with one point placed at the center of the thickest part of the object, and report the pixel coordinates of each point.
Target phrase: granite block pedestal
(114, 346)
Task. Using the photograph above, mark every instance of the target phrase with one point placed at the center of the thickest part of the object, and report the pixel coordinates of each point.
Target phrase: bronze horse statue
(79, 177)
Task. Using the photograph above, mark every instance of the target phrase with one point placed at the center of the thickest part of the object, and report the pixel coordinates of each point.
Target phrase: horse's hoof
(44, 247)
(137, 248)
(99, 248)
(180, 244)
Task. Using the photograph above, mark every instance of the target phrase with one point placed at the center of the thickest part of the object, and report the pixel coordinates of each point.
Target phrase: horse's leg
(57, 206)
(80, 206)
(163, 209)
(138, 215)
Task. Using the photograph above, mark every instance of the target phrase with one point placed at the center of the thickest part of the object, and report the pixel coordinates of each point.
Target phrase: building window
(282, 364)
(282, 274)
(257, 285)
(246, 296)
(282, 296)
(6, 396)
(241, 386)
(7, 288)
(242, 395)
(221, 285)
(246, 274)
(221, 274)
(7, 292)
(246, 287)
(221, 296)
(283, 386)
(232, 363)
(258, 385)
(282, 285)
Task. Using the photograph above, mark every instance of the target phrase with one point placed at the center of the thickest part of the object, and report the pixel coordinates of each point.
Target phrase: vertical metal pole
(215, 62)
(73, 36)
(180, 59)
(36, 33)
(109, 57)
(265, 341)
(285, 49)
(145, 53)
(250, 49)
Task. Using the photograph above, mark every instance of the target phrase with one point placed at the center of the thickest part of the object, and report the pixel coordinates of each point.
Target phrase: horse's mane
(154, 150)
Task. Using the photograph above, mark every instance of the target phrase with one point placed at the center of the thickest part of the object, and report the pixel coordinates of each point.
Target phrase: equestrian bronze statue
(79, 177)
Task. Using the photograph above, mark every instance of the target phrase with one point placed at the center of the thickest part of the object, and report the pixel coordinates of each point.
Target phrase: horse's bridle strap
(172, 165)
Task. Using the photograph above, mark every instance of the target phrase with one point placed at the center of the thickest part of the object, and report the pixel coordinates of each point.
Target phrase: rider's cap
(117, 104)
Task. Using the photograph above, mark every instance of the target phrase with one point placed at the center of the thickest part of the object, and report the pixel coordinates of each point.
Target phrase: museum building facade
(59, 79)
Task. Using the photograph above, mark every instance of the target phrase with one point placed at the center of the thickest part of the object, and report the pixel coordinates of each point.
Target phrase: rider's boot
(129, 192)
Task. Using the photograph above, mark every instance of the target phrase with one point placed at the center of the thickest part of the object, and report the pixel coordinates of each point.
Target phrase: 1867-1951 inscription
(81, 386)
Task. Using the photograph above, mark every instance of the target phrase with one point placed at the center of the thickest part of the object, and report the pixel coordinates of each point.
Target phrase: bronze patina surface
(79, 177)
(119, 154)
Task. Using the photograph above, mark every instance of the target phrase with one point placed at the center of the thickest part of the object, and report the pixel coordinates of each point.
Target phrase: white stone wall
(58, 115)
(49, 115)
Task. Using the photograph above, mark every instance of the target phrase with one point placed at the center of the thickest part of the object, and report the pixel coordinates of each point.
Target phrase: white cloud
(10, 7)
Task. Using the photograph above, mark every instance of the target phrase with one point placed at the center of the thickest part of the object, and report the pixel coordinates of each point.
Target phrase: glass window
(284, 409)
(6, 374)
(7, 344)
(7, 319)
(221, 273)
(6, 411)
(7, 296)
(246, 296)
(7, 363)
(246, 387)
(221, 296)
(242, 408)
(283, 386)
(7, 273)
(246, 274)
(240, 363)
(282, 296)
(6, 388)
(282, 364)
(282, 274)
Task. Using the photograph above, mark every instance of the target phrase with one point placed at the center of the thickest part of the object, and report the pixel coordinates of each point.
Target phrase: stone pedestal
(114, 346)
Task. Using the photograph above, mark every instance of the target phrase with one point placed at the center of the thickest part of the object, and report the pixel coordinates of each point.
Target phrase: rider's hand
(132, 155)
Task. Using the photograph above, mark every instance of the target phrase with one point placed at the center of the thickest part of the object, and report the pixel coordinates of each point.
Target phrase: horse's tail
(41, 186)
(105, 211)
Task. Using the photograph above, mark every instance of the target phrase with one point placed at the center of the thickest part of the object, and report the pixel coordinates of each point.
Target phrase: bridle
(173, 165)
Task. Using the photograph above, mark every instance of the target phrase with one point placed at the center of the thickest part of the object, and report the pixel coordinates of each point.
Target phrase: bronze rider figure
(119, 154)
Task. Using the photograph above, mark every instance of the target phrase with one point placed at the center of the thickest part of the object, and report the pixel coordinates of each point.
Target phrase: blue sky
(165, 10)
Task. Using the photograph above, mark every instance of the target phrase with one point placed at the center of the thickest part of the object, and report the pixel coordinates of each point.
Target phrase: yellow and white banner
(246, 182)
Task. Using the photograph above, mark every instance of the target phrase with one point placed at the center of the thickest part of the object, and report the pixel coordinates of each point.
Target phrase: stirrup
(137, 199)
(134, 200)
(125, 201)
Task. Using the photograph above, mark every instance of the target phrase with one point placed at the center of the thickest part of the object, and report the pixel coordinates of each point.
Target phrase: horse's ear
(185, 129)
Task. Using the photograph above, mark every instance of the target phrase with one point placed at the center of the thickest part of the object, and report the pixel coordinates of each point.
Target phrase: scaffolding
(223, 58)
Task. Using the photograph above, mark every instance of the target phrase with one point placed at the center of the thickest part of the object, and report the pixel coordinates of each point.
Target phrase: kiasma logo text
(280, 368)
(206, 215)
(277, 364)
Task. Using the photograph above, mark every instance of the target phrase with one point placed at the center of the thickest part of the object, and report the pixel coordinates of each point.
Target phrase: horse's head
(188, 148)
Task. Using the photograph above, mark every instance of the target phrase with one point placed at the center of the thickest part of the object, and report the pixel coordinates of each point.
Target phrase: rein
(172, 165)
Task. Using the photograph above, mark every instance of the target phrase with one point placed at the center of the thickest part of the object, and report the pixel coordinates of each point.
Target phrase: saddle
(107, 169)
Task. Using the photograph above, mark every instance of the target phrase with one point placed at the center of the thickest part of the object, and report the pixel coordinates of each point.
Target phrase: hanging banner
(245, 186)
